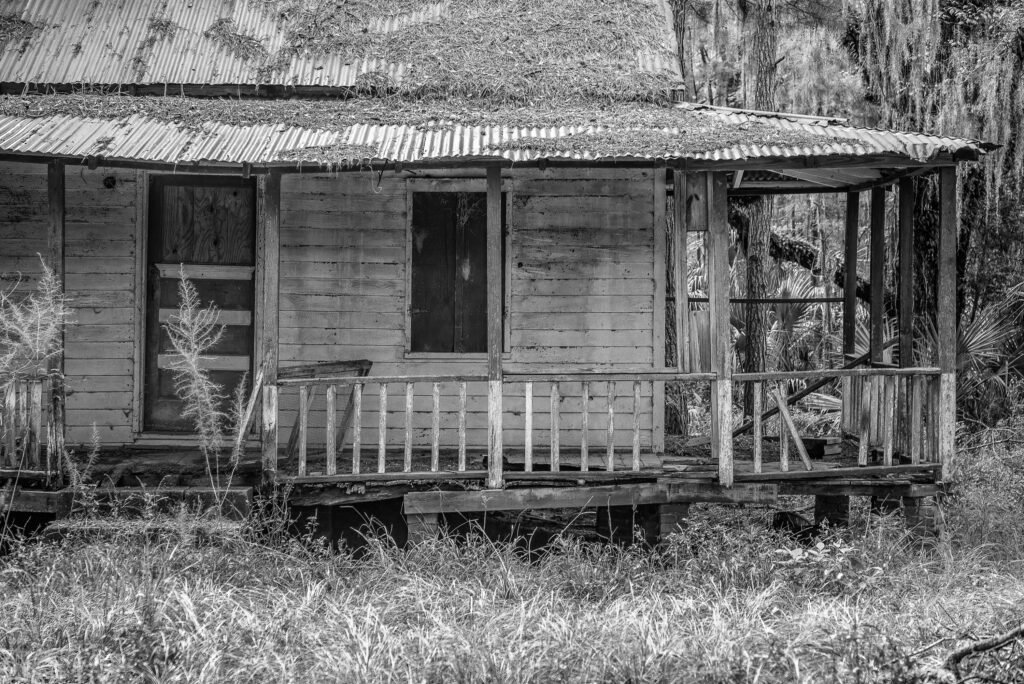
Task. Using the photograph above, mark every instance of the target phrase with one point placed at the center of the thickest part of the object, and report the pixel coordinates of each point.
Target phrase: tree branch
(953, 659)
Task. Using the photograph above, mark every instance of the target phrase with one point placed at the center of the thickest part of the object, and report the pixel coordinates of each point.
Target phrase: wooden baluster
(528, 427)
(462, 426)
(758, 436)
(435, 430)
(865, 423)
(410, 389)
(915, 436)
(846, 419)
(584, 427)
(636, 425)
(329, 438)
(555, 413)
(303, 426)
(610, 456)
(357, 425)
(12, 423)
(35, 424)
(783, 434)
(382, 428)
(933, 420)
(889, 418)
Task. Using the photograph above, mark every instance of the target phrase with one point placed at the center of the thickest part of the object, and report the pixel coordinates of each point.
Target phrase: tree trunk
(763, 46)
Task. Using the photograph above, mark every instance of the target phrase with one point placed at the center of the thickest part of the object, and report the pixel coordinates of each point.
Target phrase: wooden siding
(582, 291)
(100, 283)
(582, 267)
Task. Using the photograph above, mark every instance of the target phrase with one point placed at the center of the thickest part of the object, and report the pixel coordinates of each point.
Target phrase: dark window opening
(448, 302)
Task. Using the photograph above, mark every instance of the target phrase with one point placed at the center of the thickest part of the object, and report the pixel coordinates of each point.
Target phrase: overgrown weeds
(193, 331)
(31, 326)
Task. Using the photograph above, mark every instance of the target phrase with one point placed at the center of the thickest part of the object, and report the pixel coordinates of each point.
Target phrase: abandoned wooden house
(459, 305)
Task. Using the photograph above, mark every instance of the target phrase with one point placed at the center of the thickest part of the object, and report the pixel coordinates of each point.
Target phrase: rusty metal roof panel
(140, 138)
(119, 42)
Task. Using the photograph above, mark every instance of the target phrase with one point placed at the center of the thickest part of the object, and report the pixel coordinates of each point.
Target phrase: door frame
(143, 182)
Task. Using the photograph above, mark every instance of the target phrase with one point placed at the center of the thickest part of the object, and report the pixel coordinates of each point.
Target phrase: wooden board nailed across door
(204, 227)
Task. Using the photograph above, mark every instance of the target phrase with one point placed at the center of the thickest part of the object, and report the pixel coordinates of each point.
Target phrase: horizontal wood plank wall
(100, 284)
(582, 291)
(99, 348)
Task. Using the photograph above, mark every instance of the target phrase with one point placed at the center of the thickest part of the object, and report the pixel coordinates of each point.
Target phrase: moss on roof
(621, 129)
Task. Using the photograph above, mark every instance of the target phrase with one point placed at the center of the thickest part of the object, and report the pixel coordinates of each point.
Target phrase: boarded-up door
(205, 226)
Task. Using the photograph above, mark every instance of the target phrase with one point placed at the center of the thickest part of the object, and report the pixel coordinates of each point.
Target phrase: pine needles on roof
(519, 51)
(224, 32)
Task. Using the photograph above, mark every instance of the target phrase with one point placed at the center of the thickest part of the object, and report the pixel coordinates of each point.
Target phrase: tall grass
(31, 324)
(722, 601)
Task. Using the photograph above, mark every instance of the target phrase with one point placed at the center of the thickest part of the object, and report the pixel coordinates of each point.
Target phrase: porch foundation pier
(421, 527)
(721, 341)
(832, 507)
(628, 524)
(885, 504)
(671, 516)
(924, 517)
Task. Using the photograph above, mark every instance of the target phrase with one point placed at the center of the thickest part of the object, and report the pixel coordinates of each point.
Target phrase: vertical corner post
(721, 339)
(495, 476)
(877, 326)
(906, 271)
(682, 306)
(850, 264)
(55, 238)
(269, 270)
(946, 315)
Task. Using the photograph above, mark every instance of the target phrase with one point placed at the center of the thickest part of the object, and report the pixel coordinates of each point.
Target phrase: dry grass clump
(332, 156)
(31, 324)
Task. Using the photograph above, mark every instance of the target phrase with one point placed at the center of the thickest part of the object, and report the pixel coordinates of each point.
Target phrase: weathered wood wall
(582, 273)
(584, 267)
(100, 261)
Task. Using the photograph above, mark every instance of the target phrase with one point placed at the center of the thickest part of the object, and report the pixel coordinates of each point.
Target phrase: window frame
(452, 185)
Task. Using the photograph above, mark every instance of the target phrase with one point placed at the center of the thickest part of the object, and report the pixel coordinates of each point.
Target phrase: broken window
(448, 291)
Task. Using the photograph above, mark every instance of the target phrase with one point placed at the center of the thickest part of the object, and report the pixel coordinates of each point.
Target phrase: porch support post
(682, 307)
(269, 270)
(721, 339)
(55, 237)
(877, 274)
(906, 291)
(850, 287)
(495, 478)
(945, 323)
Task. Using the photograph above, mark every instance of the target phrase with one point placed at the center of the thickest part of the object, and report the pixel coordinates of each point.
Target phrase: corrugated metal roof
(138, 138)
(111, 42)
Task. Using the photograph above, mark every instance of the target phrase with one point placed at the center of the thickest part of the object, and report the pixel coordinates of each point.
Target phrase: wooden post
(357, 426)
(877, 274)
(585, 428)
(679, 272)
(303, 427)
(555, 427)
(269, 434)
(850, 286)
(721, 339)
(495, 340)
(55, 238)
(906, 270)
(528, 426)
(382, 427)
(270, 268)
(758, 434)
(435, 429)
(946, 316)
(329, 431)
(410, 389)
(609, 464)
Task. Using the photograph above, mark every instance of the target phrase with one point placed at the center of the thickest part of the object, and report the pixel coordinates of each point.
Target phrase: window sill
(450, 356)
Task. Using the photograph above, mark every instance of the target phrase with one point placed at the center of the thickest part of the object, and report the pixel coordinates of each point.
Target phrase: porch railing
(420, 424)
(31, 428)
(888, 410)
